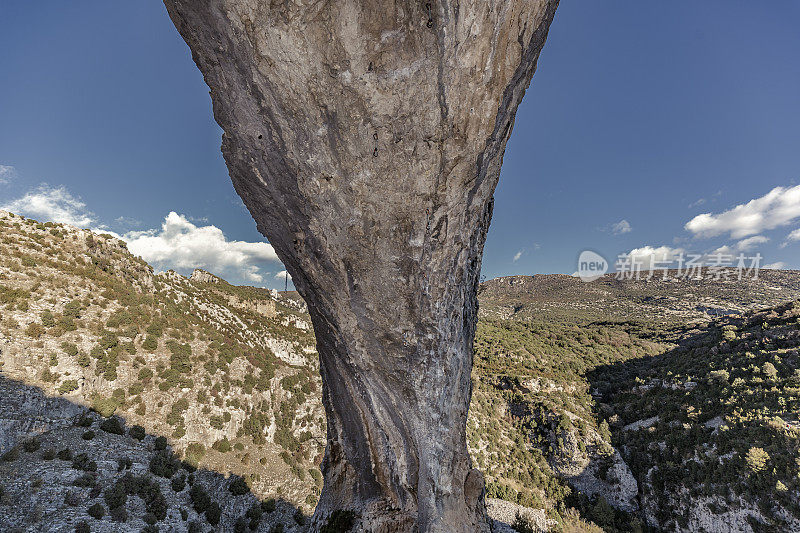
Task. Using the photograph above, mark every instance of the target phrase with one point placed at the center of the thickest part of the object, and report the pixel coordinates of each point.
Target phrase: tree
(769, 370)
(756, 459)
(376, 191)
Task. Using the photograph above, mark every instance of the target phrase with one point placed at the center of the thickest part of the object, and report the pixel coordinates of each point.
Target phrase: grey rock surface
(366, 139)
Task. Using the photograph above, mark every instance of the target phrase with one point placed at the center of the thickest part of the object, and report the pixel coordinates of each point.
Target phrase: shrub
(112, 425)
(88, 435)
(31, 445)
(222, 446)
(150, 344)
(194, 453)
(49, 454)
(239, 487)
(68, 386)
(82, 462)
(34, 330)
(105, 406)
(118, 514)
(84, 360)
(96, 511)
(178, 483)
(213, 513)
(161, 442)
(200, 499)
(84, 480)
(268, 506)
(82, 527)
(756, 459)
(11, 455)
(65, 454)
(163, 464)
(115, 496)
(137, 432)
(84, 421)
(69, 348)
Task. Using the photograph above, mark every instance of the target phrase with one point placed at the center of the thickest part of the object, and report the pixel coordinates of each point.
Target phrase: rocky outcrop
(201, 276)
(366, 140)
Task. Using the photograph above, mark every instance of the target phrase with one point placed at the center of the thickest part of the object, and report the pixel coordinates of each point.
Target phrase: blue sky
(641, 116)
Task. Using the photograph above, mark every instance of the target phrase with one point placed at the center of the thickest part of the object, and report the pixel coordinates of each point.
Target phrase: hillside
(558, 297)
(565, 372)
(229, 372)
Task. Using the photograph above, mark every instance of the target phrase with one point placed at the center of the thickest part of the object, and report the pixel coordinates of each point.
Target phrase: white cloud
(698, 203)
(52, 204)
(184, 246)
(723, 250)
(777, 208)
(517, 256)
(6, 173)
(621, 227)
(775, 266)
(745, 245)
(646, 254)
(794, 236)
(282, 275)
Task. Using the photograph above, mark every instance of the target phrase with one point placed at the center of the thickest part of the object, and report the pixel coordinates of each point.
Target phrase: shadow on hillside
(48, 438)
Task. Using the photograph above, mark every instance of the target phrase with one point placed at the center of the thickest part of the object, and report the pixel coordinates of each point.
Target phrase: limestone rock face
(201, 276)
(366, 138)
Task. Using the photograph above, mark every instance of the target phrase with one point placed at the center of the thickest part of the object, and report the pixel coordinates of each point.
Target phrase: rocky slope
(230, 370)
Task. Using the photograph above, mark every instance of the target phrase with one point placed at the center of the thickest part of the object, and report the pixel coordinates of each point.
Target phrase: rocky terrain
(572, 421)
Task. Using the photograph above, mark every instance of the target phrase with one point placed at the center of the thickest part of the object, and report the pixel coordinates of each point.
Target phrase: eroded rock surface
(366, 138)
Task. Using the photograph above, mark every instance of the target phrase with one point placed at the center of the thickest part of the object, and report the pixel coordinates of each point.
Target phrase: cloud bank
(779, 207)
(182, 245)
(53, 204)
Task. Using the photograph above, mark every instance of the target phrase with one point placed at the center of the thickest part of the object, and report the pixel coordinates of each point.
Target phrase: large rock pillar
(366, 138)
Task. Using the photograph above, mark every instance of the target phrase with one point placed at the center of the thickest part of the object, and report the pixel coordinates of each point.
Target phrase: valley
(610, 404)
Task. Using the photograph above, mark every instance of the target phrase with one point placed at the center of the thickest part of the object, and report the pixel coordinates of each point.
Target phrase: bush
(69, 348)
(194, 453)
(137, 432)
(82, 462)
(49, 454)
(84, 421)
(96, 511)
(118, 514)
(213, 513)
(65, 454)
(11, 455)
(756, 459)
(68, 386)
(222, 446)
(163, 464)
(178, 483)
(161, 443)
(115, 496)
(112, 425)
(31, 445)
(105, 406)
(82, 527)
(268, 506)
(239, 487)
(84, 480)
(88, 435)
